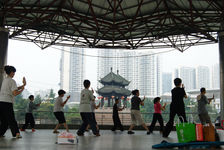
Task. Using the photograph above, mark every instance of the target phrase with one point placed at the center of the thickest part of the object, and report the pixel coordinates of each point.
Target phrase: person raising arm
(8, 92)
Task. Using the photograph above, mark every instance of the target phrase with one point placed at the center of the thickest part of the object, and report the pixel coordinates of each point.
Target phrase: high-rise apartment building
(72, 71)
(65, 69)
(144, 72)
(188, 76)
(215, 76)
(105, 64)
(203, 77)
(149, 75)
(77, 69)
(166, 82)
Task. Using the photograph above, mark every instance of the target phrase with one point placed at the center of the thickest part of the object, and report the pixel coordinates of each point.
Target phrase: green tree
(51, 96)
(45, 113)
(38, 99)
(20, 105)
(72, 115)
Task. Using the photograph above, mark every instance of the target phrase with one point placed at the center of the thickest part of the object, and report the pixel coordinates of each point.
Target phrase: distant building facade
(144, 72)
(203, 77)
(149, 75)
(72, 69)
(65, 69)
(188, 76)
(166, 82)
(215, 76)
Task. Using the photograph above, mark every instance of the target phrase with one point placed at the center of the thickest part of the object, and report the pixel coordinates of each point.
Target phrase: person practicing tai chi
(116, 118)
(58, 111)
(202, 111)
(85, 110)
(158, 108)
(8, 92)
(177, 106)
(29, 119)
(136, 117)
(93, 107)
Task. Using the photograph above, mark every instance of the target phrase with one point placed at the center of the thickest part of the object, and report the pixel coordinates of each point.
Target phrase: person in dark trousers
(157, 114)
(8, 92)
(86, 111)
(202, 110)
(177, 106)
(93, 107)
(116, 119)
(29, 119)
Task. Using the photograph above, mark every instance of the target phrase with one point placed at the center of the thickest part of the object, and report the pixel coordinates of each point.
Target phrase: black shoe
(80, 134)
(165, 136)
(113, 130)
(131, 132)
(148, 132)
(121, 130)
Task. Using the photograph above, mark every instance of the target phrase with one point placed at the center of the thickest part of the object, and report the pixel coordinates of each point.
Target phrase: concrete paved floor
(45, 140)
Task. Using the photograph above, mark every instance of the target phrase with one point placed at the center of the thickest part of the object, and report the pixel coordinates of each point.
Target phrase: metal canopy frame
(128, 24)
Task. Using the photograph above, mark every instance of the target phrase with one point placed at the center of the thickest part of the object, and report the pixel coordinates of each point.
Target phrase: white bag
(221, 134)
(67, 138)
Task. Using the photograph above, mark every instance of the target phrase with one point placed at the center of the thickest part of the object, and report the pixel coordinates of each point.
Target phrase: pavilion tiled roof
(108, 90)
(114, 79)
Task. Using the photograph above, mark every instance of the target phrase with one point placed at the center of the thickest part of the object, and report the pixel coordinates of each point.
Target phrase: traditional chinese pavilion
(114, 86)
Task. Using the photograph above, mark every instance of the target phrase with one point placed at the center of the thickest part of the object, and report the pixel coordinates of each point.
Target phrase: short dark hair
(60, 92)
(134, 92)
(31, 96)
(86, 83)
(155, 100)
(202, 89)
(177, 81)
(117, 99)
(9, 69)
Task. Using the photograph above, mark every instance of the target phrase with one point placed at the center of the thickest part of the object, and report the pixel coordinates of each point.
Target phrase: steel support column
(4, 34)
(221, 61)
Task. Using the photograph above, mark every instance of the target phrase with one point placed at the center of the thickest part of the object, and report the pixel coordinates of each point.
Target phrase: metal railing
(102, 118)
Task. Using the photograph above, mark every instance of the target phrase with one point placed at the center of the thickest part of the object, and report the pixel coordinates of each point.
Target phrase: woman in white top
(9, 90)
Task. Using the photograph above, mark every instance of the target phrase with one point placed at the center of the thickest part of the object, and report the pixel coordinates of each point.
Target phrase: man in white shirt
(86, 111)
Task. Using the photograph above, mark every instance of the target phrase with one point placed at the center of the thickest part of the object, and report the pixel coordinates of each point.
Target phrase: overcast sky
(203, 55)
(41, 67)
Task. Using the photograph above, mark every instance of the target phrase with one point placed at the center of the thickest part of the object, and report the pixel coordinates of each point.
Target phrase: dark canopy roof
(110, 90)
(114, 79)
(113, 23)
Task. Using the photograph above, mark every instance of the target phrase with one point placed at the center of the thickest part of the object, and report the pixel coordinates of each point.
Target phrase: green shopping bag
(185, 132)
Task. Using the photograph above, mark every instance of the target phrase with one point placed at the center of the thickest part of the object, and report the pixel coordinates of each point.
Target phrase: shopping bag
(185, 132)
(222, 124)
(221, 134)
(199, 132)
(209, 133)
(67, 138)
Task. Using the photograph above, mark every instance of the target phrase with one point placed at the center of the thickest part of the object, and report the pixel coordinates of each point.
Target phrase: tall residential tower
(72, 71)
